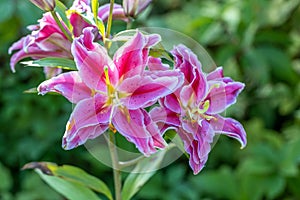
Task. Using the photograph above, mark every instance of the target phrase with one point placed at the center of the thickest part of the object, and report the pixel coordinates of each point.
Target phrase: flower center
(198, 112)
(113, 100)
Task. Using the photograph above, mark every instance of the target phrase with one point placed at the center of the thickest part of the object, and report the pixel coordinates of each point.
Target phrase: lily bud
(45, 5)
(134, 7)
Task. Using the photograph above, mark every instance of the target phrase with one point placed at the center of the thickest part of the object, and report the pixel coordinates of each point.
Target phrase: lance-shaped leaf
(143, 171)
(52, 62)
(69, 180)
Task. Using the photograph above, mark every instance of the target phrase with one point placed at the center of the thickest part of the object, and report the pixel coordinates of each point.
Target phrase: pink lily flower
(194, 109)
(79, 9)
(46, 40)
(82, 8)
(112, 93)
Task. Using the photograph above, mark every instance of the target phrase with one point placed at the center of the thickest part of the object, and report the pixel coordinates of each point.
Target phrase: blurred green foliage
(257, 42)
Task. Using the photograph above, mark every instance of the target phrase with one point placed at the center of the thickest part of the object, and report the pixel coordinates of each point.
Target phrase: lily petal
(88, 116)
(231, 128)
(132, 57)
(140, 130)
(68, 84)
(155, 64)
(144, 90)
(222, 95)
(165, 119)
(197, 144)
(91, 59)
(216, 74)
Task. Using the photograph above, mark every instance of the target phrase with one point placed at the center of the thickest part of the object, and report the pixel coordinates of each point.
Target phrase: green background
(256, 41)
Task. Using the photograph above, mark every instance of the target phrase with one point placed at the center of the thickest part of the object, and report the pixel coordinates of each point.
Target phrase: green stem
(129, 23)
(54, 15)
(109, 21)
(115, 165)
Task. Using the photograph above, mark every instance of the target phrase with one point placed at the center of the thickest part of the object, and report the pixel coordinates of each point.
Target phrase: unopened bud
(134, 7)
(45, 5)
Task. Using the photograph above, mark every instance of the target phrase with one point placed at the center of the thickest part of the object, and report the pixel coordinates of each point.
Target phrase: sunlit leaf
(70, 177)
(71, 190)
(52, 62)
(143, 171)
(61, 9)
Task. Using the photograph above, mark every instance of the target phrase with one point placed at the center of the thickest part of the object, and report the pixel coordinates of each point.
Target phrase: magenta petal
(187, 62)
(83, 135)
(155, 64)
(222, 95)
(172, 103)
(165, 118)
(140, 130)
(216, 74)
(197, 143)
(91, 59)
(67, 84)
(88, 115)
(231, 128)
(186, 95)
(132, 57)
(144, 90)
(78, 23)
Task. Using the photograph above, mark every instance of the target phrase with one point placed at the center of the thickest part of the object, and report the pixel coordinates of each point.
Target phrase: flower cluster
(129, 91)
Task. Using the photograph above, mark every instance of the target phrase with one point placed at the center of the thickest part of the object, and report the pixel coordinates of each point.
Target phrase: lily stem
(115, 165)
(58, 22)
(109, 21)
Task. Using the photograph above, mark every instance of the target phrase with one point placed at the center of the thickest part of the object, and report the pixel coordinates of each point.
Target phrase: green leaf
(71, 190)
(160, 52)
(70, 176)
(61, 10)
(77, 175)
(52, 62)
(143, 171)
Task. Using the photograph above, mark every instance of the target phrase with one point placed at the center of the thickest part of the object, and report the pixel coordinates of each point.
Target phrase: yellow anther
(112, 128)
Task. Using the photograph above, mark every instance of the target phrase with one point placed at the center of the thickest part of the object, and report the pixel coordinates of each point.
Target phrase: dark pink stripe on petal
(231, 128)
(67, 84)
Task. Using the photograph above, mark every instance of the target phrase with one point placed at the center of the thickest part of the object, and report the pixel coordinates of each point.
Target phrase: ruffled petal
(78, 23)
(222, 95)
(155, 64)
(187, 62)
(67, 84)
(139, 129)
(197, 143)
(132, 57)
(165, 119)
(172, 103)
(88, 120)
(144, 90)
(231, 128)
(91, 59)
(216, 74)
